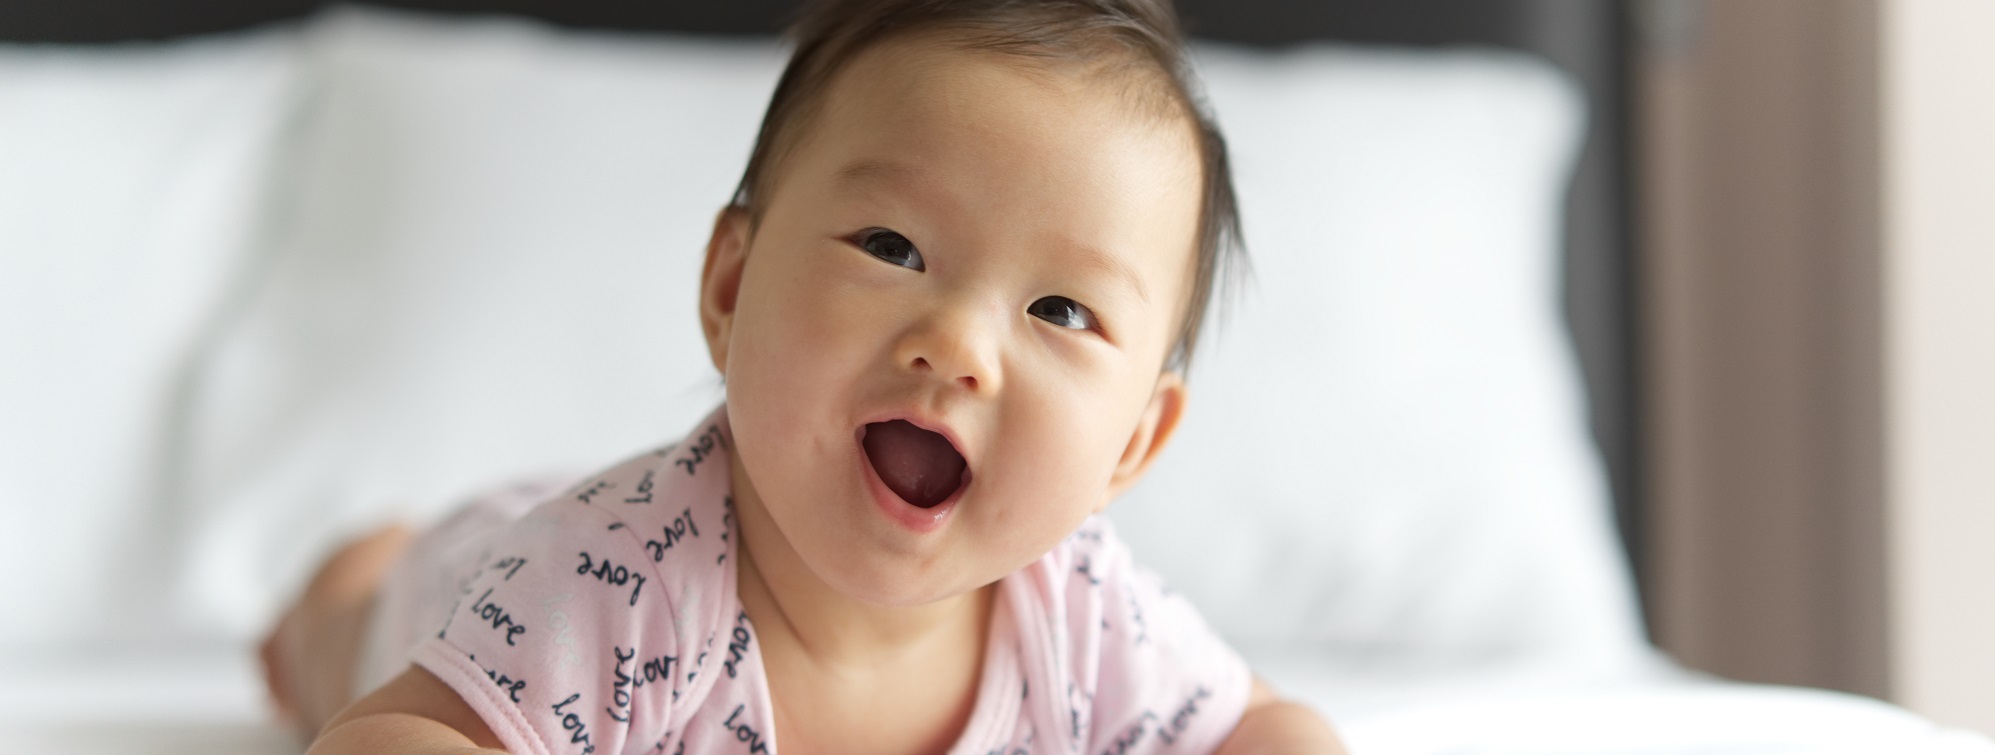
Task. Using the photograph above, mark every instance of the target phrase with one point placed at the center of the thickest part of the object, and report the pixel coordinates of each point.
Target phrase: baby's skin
(996, 251)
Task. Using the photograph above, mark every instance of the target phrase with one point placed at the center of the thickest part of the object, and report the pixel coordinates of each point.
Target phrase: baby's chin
(901, 585)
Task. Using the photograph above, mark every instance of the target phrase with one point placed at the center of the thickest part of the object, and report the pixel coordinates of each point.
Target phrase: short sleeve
(1166, 682)
(563, 638)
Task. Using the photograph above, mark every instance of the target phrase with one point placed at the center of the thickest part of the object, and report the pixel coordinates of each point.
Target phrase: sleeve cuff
(469, 681)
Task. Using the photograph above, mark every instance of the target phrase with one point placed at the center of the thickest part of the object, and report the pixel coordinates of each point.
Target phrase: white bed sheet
(1656, 708)
(210, 701)
(1706, 718)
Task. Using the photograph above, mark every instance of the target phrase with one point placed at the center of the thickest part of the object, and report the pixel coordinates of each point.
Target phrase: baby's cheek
(1066, 456)
(794, 345)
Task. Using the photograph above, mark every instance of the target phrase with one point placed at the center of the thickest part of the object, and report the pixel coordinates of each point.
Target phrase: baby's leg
(308, 658)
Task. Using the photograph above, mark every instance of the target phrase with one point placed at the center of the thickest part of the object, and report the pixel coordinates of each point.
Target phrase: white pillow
(1385, 453)
(130, 187)
(486, 267)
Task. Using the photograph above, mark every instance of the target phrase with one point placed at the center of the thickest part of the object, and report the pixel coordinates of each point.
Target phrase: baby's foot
(308, 657)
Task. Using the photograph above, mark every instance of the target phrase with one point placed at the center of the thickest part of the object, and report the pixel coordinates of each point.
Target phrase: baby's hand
(308, 657)
(1272, 726)
(416, 714)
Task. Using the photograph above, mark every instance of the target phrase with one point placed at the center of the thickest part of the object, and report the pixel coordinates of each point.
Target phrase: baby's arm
(1272, 725)
(415, 714)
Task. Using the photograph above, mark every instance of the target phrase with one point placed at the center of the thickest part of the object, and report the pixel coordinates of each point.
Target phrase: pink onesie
(605, 620)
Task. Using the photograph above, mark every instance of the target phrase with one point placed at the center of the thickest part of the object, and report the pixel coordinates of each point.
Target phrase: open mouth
(920, 466)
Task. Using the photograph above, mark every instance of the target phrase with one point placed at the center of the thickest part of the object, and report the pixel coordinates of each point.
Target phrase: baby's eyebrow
(870, 170)
(1112, 265)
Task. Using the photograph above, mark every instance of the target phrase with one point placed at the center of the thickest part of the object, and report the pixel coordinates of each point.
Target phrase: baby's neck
(832, 661)
(788, 605)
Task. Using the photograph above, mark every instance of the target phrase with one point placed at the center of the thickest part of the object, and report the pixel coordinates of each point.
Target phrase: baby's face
(942, 343)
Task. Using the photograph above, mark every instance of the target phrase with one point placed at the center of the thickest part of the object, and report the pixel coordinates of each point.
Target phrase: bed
(307, 269)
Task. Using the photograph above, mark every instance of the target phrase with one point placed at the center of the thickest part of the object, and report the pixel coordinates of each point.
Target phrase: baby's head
(961, 280)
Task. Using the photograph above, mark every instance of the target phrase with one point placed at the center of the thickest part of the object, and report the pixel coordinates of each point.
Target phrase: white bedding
(1707, 718)
(260, 291)
(210, 703)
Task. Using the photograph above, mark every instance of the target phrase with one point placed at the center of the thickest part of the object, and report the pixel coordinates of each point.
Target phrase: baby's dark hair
(1124, 37)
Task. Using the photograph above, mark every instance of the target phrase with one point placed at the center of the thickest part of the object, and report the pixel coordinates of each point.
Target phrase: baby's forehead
(935, 117)
(899, 101)
(894, 104)
(1100, 72)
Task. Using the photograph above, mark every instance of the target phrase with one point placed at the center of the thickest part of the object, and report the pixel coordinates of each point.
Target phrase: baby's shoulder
(640, 534)
(1107, 603)
(1138, 660)
(595, 614)
(662, 498)
(1094, 559)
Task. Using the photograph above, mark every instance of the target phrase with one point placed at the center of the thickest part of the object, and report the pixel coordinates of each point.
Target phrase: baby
(952, 304)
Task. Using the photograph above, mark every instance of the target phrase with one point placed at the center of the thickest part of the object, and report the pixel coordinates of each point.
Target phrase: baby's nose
(953, 345)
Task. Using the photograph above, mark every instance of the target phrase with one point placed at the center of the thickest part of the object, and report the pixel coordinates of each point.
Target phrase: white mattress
(1652, 709)
(210, 701)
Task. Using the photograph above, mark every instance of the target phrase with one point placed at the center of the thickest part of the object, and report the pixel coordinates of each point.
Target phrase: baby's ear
(720, 281)
(1153, 432)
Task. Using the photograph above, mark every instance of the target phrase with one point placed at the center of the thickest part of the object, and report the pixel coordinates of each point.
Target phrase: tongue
(919, 466)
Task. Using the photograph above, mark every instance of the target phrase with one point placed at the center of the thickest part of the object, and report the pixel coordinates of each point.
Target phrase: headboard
(1587, 39)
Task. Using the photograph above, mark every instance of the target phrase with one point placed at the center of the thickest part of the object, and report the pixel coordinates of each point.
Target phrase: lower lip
(915, 518)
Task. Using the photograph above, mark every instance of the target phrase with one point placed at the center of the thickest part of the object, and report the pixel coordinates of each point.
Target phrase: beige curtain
(1756, 156)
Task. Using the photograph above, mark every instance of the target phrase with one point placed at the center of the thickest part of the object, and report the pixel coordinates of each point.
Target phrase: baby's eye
(891, 247)
(1063, 312)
